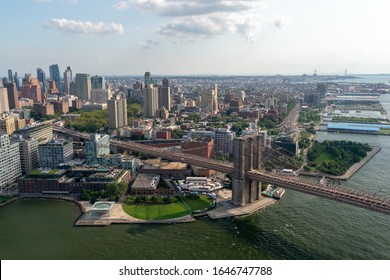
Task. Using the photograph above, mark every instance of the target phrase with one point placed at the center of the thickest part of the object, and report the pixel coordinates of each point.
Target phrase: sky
(196, 37)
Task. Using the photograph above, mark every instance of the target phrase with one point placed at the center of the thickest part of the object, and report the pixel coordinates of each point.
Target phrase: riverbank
(224, 209)
(118, 216)
(351, 171)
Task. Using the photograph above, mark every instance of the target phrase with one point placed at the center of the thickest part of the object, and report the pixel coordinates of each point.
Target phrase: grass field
(323, 157)
(156, 212)
(200, 204)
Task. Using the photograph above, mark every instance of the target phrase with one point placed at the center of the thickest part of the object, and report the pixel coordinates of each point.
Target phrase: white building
(10, 168)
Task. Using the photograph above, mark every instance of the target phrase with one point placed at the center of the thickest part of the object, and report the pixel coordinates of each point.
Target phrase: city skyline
(263, 37)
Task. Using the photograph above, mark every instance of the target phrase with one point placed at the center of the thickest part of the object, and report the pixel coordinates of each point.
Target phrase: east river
(299, 226)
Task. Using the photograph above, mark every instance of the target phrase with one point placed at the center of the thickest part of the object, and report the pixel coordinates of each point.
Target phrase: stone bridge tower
(247, 156)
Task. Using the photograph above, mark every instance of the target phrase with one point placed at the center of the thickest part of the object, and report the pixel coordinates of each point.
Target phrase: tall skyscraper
(9, 161)
(3, 100)
(150, 100)
(41, 75)
(98, 82)
(215, 99)
(67, 80)
(164, 95)
(55, 74)
(117, 112)
(148, 79)
(10, 78)
(31, 89)
(83, 86)
(17, 80)
(209, 100)
(13, 96)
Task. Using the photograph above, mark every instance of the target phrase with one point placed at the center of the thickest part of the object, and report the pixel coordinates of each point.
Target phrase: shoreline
(225, 209)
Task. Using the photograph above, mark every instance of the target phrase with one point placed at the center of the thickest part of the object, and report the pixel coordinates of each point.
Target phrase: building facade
(10, 169)
(224, 140)
(13, 96)
(68, 77)
(41, 132)
(54, 153)
(3, 100)
(55, 76)
(83, 86)
(150, 101)
(28, 151)
(117, 112)
(31, 89)
(97, 145)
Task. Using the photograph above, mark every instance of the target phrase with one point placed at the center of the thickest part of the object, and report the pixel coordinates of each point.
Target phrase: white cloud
(192, 19)
(147, 45)
(279, 21)
(63, 1)
(86, 27)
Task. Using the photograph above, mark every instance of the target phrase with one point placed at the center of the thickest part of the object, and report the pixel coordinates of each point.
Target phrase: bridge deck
(340, 195)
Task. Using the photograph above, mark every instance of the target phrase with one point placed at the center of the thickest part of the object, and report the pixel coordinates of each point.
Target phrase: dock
(226, 209)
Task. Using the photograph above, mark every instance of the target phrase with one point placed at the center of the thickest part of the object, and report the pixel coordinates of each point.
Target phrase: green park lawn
(156, 212)
(200, 204)
(323, 157)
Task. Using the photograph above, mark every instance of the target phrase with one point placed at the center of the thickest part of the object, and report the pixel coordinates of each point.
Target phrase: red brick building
(44, 109)
(199, 147)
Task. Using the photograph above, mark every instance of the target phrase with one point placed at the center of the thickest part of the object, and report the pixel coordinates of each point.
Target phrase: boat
(273, 192)
(278, 193)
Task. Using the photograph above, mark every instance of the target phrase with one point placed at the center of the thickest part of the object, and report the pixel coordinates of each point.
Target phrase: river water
(299, 226)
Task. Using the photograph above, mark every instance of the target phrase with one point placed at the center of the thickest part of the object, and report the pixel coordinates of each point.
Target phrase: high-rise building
(206, 101)
(164, 95)
(54, 153)
(148, 79)
(67, 80)
(100, 95)
(10, 78)
(28, 151)
(215, 99)
(83, 86)
(4, 107)
(41, 132)
(10, 169)
(31, 89)
(41, 75)
(17, 80)
(13, 96)
(117, 112)
(55, 74)
(97, 145)
(223, 138)
(7, 124)
(150, 101)
(98, 82)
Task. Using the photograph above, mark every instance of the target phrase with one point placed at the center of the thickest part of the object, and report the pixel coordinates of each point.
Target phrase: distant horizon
(193, 37)
(214, 75)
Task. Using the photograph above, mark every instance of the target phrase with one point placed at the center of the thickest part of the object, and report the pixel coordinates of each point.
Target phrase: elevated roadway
(340, 195)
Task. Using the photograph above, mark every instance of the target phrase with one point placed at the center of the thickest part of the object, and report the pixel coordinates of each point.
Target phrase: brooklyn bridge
(246, 172)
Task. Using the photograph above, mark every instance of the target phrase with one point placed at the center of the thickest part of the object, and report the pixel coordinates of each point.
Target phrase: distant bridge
(246, 175)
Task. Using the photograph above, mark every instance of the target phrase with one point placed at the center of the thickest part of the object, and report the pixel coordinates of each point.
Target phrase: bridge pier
(247, 157)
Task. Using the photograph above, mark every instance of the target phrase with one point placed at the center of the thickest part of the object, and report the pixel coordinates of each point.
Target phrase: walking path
(226, 209)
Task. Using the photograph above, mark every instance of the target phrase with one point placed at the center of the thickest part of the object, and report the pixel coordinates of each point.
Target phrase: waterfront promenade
(224, 209)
